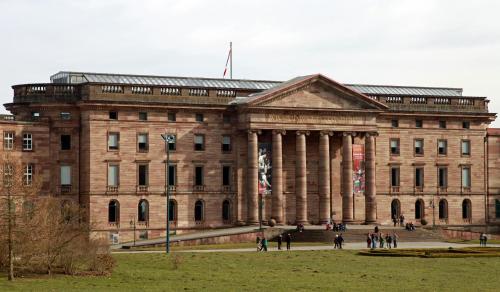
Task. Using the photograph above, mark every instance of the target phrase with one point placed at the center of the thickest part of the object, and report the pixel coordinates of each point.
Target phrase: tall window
(466, 209)
(8, 140)
(443, 209)
(198, 176)
(226, 143)
(419, 147)
(172, 210)
(143, 211)
(226, 175)
(198, 211)
(65, 142)
(113, 175)
(419, 209)
(113, 141)
(226, 210)
(199, 142)
(465, 147)
(172, 169)
(466, 180)
(65, 116)
(28, 174)
(143, 116)
(419, 177)
(8, 174)
(443, 177)
(113, 211)
(142, 142)
(65, 175)
(442, 147)
(394, 143)
(142, 174)
(27, 141)
(394, 176)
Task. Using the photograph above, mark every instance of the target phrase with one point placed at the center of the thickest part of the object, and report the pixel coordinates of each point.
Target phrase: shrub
(423, 222)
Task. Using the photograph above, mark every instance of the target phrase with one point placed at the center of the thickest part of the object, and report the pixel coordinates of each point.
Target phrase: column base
(370, 222)
(303, 222)
(252, 223)
(324, 221)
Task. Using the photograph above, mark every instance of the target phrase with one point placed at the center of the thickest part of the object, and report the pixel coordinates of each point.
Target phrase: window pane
(113, 175)
(113, 140)
(418, 143)
(466, 177)
(65, 175)
(226, 139)
(465, 147)
(143, 175)
(394, 143)
(143, 138)
(198, 139)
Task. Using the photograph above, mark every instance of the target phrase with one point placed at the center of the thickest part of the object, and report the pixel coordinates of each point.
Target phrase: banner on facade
(358, 160)
(265, 165)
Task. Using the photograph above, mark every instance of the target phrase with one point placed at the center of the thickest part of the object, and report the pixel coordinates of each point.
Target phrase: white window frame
(116, 178)
(28, 174)
(65, 175)
(27, 141)
(8, 140)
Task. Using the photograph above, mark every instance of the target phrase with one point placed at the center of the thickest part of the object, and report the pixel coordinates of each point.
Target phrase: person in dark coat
(340, 240)
(288, 239)
(280, 239)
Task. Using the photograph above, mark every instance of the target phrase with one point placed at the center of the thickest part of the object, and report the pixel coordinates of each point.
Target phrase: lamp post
(132, 224)
(433, 213)
(167, 139)
(261, 204)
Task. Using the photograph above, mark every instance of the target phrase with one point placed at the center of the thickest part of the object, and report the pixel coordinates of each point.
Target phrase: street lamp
(132, 224)
(168, 139)
(433, 213)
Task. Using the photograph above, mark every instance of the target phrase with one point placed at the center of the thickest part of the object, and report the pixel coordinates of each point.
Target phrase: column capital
(371, 134)
(279, 131)
(326, 133)
(353, 134)
(301, 132)
(257, 131)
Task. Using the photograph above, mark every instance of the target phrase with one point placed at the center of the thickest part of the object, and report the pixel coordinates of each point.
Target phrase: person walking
(374, 240)
(264, 244)
(257, 241)
(368, 241)
(288, 239)
(395, 240)
(340, 240)
(388, 238)
(280, 240)
(381, 238)
(336, 241)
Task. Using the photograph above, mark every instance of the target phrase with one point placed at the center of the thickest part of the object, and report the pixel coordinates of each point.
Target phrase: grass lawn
(278, 271)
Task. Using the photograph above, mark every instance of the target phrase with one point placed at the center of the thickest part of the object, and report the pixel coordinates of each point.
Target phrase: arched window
(419, 209)
(226, 210)
(466, 209)
(113, 211)
(143, 211)
(497, 208)
(198, 211)
(443, 209)
(172, 210)
(395, 209)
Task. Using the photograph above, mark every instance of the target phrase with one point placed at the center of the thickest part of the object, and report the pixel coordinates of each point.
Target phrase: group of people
(300, 227)
(263, 243)
(338, 241)
(398, 220)
(378, 239)
(336, 227)
(410, 226)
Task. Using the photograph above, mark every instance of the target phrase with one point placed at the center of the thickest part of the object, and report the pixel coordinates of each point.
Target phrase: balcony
(394, 189)
(112, 189)
(172, 188)
(466, 189)
(65, 189)
(198, 188)
(142, 189)
(226, 189)
(419, 189)
(442, 189)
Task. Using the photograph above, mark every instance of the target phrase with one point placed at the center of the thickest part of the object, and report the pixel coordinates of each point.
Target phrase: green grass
(435, 252)
(222, 246)
(474, 241)
(278, 271)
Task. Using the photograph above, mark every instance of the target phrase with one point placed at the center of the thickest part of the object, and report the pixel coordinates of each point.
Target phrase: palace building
(307, 150)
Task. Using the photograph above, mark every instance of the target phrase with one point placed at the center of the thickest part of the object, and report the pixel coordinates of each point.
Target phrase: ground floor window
(443, 209)
(113, 211)
(466, 209)
(419, 209)
(226, 210)
(143, 211)
(198, 211)
(395, 209)
(172, 210)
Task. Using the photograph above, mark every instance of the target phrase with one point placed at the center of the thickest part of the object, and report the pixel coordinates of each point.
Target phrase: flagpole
(231, 60)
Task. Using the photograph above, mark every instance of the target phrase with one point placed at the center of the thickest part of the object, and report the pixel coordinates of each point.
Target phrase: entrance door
(395, 209)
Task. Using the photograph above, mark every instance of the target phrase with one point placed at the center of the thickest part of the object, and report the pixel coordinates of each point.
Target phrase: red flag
(227, 62)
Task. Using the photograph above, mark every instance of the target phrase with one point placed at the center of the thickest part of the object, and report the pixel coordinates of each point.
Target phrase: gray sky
(426, 43)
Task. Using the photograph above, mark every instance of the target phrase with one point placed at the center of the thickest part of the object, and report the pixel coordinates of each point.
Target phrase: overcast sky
(425, 43)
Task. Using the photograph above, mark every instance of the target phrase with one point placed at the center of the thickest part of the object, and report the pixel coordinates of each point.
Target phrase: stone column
(324, 176)
(301, 178)
(252, 178)
(347, 186)
(370, 179)
(277, 177)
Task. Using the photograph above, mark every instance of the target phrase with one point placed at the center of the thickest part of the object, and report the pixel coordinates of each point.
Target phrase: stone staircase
(359, 235)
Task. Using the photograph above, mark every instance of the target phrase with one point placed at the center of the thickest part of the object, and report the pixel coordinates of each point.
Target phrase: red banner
(358, 160)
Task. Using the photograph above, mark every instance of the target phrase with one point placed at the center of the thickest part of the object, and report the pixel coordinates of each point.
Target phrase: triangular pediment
(314, 92)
